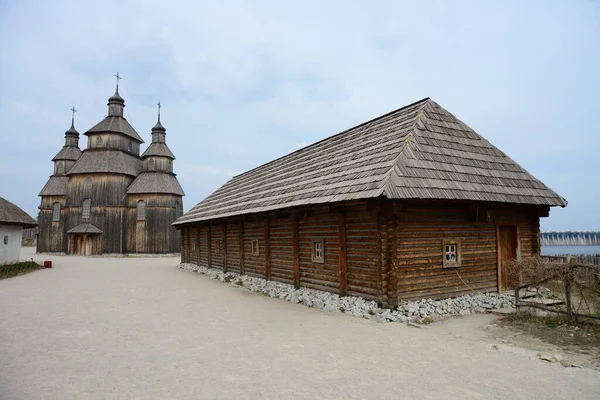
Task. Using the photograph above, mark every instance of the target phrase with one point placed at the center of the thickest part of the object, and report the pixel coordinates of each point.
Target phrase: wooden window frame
(314, 250)
(56, 212)
(141, 210)
(86, 210)
(254, 247)
(5, 240)
(217, 246)
(457, 252)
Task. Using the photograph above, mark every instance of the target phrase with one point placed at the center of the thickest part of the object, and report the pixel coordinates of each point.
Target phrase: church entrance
(85, 245)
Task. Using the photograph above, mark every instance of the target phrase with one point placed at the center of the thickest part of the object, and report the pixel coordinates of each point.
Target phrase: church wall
(158, 164)
(51, 233)
(113, 141)
(154, 234)
(106, 193)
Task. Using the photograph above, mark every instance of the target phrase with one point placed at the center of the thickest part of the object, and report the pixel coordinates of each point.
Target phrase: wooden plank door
(508, 243)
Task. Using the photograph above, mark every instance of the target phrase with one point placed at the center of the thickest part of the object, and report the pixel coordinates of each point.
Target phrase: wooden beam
(209, 247)
(342, 254)
(198, 247)
(241, 244)
(295, 252)
(498, 256)
(224, 245)
(393, 261)
(267, 250)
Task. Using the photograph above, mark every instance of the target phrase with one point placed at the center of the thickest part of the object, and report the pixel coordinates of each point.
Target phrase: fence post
(517, 285)
(568, 286)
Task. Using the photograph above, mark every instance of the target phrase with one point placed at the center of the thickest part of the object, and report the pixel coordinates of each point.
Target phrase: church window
(5, 239)
(151, 164)
(99, 141)
(177, 212)
(141, 210)
(86, 209)
(129, 146)
(56, 212)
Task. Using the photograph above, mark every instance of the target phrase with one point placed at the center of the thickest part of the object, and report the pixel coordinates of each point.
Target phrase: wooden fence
(579, 278)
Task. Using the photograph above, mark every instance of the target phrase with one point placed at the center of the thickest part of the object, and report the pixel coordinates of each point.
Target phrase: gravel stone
(407, 312)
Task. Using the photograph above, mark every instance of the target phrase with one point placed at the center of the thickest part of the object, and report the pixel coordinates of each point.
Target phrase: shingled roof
(68, 153)
(85, 228)
(106, 161)
(158, 149)
(155, 182)
(420, 151)
(11, 214)
(56, 186)
(115, 124)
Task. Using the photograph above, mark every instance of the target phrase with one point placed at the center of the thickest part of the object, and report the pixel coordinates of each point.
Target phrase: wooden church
(410, 205)
(107, 198)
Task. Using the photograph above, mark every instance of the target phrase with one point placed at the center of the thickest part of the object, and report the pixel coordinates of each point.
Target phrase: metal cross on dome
(73, 111)
(118, 78)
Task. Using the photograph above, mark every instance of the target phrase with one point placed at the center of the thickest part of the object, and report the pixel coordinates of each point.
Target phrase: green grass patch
(16, 269)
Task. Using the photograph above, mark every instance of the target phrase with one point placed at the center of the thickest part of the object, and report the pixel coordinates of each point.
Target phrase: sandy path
(138, 328)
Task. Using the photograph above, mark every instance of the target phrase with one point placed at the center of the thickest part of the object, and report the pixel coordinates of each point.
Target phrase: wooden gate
(508, 246)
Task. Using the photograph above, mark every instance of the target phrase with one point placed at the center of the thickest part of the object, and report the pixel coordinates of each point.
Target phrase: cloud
(243, 83)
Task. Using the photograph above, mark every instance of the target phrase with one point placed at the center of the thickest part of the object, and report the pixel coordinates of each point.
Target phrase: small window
(151, 164)
(56, 212)
(318, 251)
(129, 146)
(193, 245)
(99, 141)
(255, 248)
(141, 210)
(177, 207)
(451, 253)
(86, 209)
(5, 239)
(218, 246)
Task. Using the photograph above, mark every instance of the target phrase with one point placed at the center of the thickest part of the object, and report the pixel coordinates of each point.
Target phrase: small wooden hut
(413, 204)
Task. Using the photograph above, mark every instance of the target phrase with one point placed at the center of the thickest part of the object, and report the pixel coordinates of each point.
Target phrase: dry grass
(579, 336)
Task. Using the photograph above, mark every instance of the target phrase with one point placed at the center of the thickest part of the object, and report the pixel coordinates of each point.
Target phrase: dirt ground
(139, 328)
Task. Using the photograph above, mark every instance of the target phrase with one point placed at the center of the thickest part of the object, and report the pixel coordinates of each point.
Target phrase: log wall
(254, 265)
(232, 246)
(216, 246)
(320, 226)
(281, 255)
(380, 250)
(421, 230)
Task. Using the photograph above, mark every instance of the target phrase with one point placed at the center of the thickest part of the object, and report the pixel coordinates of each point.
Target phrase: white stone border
(415, 311)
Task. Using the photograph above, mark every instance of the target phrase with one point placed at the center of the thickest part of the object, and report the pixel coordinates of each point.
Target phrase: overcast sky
(243, 82)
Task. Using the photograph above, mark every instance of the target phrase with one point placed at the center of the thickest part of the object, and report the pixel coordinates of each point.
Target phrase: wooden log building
(413, 204)
(107, 198)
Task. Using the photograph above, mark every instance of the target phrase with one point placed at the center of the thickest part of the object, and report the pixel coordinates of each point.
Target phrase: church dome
(116, 98)
(72, 131)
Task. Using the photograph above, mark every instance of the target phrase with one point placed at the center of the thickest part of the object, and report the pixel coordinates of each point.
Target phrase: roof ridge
(406, 143)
